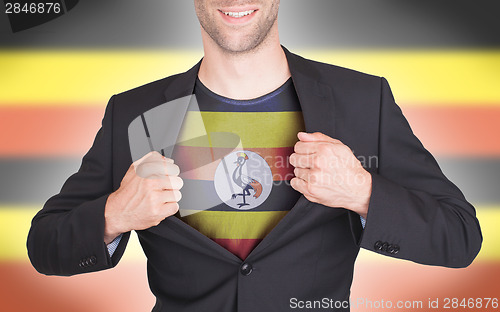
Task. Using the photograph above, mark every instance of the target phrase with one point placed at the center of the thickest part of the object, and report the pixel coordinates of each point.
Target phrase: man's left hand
(328, 173)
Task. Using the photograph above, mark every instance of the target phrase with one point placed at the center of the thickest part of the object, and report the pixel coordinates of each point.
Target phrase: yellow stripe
(15, 223)
(253, 128)
(424, 77)
(452, 77)
(235, 224)
(59, 77)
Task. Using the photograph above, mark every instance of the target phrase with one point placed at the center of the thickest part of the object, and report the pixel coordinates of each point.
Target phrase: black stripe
(478, 179)
(33, 180)
(283, 99)
(312, 23)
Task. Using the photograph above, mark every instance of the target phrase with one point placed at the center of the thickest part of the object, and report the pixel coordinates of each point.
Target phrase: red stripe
(48, 131)
(239, 247)
(463, 131)
(69, 131)
(196, 163)
(124, 288)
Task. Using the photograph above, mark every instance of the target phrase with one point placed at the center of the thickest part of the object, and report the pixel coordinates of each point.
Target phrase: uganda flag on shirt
(237, 177)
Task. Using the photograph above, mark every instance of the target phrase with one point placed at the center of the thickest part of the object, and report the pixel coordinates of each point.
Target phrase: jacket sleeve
(415, 212)
(67, 236)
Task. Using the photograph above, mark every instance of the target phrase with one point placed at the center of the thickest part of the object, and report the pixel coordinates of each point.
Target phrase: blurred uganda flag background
(442, 59)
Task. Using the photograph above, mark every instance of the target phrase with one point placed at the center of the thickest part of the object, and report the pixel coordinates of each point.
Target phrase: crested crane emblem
(243, 180)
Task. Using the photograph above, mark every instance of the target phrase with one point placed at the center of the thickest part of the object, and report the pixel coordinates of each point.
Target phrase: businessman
(268, 240)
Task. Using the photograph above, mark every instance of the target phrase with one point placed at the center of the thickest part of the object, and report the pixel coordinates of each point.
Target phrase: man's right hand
(148, 193)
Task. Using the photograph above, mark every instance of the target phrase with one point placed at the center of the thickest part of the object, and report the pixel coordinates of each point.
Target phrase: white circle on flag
(243, 180)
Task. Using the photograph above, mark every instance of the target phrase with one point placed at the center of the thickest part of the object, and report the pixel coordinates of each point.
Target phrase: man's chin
(240, 46)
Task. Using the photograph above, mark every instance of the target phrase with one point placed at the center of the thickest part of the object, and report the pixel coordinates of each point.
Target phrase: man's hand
(328, 173)
(148, 193)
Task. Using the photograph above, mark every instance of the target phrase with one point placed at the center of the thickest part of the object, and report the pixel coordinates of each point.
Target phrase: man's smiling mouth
(239, 14)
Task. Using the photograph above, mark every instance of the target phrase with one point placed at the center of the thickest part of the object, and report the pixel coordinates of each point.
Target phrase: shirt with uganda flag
(234, 161)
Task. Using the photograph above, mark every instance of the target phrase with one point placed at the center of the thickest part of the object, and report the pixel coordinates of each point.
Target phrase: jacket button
(93, 260)
(395, 249)
(378, 245)
(390, 249)
(246, 269)
(385, 245)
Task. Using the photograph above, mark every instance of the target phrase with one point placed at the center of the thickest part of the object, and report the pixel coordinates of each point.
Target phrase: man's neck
(245, 75)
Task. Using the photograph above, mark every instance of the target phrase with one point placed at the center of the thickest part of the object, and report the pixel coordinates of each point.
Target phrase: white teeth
(239, 14)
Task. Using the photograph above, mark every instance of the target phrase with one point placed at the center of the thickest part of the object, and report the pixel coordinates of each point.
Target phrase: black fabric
(310, 254)
(283, 99)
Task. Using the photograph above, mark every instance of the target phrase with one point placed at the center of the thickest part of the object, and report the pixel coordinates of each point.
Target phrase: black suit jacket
(415, 212)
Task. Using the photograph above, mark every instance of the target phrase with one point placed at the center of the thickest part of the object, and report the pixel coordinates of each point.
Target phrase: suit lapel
(317, 104)
(315, 97)
(182, 84)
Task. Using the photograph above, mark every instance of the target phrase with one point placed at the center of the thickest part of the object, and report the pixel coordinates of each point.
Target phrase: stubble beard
(249, 43)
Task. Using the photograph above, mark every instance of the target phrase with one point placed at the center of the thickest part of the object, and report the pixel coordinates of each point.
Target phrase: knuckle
(177, 182)
(155, 154)
(165, 197)
(168, 183)
(309, 188)
(177, 195)
(155, 210)
(323, 148)
(294, 183)
(146, 170)
(143, 166)
(303, 162)
(345, 150)
(317, 161)
(312, 178)
(173, 182)
(174, 196)
(312, 190)
(154, 222)
(177, 169)
(295, 147)
(172, 208)
(172, 169)
(148, 183)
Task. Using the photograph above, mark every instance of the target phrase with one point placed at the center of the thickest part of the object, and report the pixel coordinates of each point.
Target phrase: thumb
(316, 137)
(152, 156)
(145, 157)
